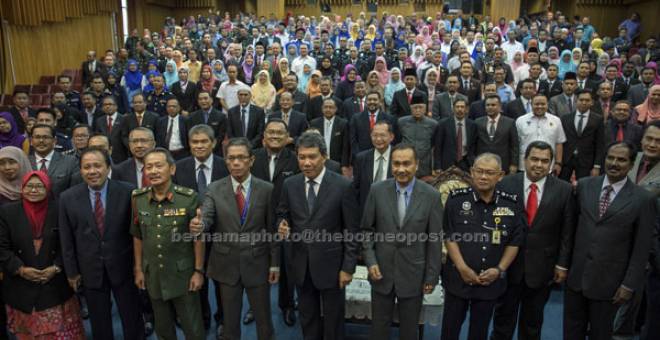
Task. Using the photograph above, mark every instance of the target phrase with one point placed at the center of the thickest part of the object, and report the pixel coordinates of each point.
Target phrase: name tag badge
(181, 212)
(503, 211)
(497, 237)
(169, 212)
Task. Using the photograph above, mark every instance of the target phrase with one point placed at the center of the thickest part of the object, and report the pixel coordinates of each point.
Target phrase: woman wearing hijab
(9, 135)
(649, 110)
(431, 86)
(553, 55)
(517, 62)
(304, 78)
(418, 56)
(263, 92)
(219, 71)
(247, 70)
(394, 84)
(345, 87)
(576, 56)
(118, 91)
(171, 74)
(373, 84)
(371, 33)
(40, 303)
(14, 164)
(603, 61)
(596, 46)
(380, 67)
(280, 73)
(132, 79)
(654, 65)
(207, 81)
(314, 85)
(565, 64)
(327, 70)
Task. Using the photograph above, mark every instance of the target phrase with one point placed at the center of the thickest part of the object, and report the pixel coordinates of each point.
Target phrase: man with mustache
(612, 244)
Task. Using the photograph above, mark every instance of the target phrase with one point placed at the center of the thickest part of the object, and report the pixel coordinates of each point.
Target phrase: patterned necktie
(311, 195)
(240, 201)
(491, 129)
(43, 167)
(139, 119)
(532, 204)
(109, 125)
(243, 129)
(570, 104)
(643, 171)
(99, 212)
(361, 105)
(619, 133)
(201, 180)
(604, 200)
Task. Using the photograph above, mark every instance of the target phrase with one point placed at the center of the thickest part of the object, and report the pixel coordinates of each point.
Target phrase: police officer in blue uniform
(157, 99)
(483, 229)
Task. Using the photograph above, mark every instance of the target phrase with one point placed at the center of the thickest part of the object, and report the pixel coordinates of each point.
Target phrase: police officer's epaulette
(460, 191)
(138, 192)
(509, 196)
(184, 190)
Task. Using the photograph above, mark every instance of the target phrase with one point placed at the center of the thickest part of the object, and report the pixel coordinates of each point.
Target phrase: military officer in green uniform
(170, 268)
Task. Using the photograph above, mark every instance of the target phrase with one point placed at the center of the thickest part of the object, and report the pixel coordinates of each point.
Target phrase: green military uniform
(168, 264)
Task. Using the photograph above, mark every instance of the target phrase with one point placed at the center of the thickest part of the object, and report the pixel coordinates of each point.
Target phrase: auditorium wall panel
(47, 49)
(401, 9)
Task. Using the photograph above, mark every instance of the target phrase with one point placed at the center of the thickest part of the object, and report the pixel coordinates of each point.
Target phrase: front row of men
(507, 239)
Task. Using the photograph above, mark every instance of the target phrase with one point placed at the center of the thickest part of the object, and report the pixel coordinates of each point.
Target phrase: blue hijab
(133, 79)
(565, 66)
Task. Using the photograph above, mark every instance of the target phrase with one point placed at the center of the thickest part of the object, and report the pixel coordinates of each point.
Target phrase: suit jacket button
(161, 266)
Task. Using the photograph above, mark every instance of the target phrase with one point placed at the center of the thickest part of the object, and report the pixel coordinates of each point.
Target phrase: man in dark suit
(603, 100)
(540, 86)
(545, 256)
(90, 112)
(296, 121)
(450, 132)
(469, 86)
(361, 124)
(21, 109)
(611, 249)
(356, 104)
(585, 140)
(197, 172)
(90, 67)
(300, 99)
(172, 131)
(566, 102)
(245, 119)
(478, 108)
(319, 201)
(275, 163)
(584, 81)
(373, 165)
(396, 206)
(443, 103)
(110, 125)
(619, 87)
(497, 134)
(335, 132)
(62, 170)
(209, 115)
(401, 101)
(185, 91)
(315, 109)
(232, 265)
(523, 104)
(140, 141)
(619, 128)
(97, 249)
(637, 93)
(140, 117)
(554, 83)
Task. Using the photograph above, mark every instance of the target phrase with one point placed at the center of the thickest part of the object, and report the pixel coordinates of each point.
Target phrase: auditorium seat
(47, 80)
(23, 87)
(40, 89)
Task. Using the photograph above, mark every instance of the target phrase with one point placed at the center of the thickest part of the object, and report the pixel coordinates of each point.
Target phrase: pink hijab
(383, 73)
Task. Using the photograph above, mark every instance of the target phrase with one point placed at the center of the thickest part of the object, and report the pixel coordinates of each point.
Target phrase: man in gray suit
(498, 134)
(62, 170)
(237, 206)
(398, 206)
(564, 103)
(443, 104)
(638, 93)
(646, 173)
(611, 249)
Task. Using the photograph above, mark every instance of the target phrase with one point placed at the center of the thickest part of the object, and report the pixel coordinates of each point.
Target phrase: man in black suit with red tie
(319, 201)
(361, 124)
(401, 101)
(140, 117)
(619, 128)
(449, 133)
(469, 86)
(246, 119)
(545, 257)
(616, 219)
(356, 104)
(97, 249)
(585, 140)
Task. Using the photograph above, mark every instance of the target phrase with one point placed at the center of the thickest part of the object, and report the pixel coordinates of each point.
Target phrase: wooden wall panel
(401, 9)
(50, 48)
(38, 12)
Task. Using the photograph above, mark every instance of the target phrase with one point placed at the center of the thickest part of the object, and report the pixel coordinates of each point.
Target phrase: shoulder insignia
(138, 192)
(509, 196)
(183, 190)
(460, 191)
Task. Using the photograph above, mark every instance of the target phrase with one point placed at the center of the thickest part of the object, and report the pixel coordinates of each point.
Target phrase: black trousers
(204, 295)
(455, 312)
(259, 298)
(286, 287)
(570, 166)
(522, 305)
(99, 305)
(311, 301)
(582, 314)
(652, 324)
(382, 312)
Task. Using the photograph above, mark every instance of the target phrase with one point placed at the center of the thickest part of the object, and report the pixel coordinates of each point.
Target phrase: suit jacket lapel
(546, 198)
(252, 194)
(621, 200)
(89, 211)
(230, 198)
(414, 202)
(321, 192)
(393, 203)
(53, 164)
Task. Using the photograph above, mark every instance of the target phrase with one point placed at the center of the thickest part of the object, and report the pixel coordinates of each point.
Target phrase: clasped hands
(37, 276)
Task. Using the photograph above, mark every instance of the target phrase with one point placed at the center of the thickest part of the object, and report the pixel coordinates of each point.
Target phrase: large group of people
(303, 127)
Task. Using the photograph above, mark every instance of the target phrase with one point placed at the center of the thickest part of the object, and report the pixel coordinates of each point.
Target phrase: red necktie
(409, 97)
(619, 133)
(372, 121)
(109, 124)
(532, 204)
(361, 105)
(43, 167)
(145, 179)
(99, 213)
(240, 201)
(643, 171)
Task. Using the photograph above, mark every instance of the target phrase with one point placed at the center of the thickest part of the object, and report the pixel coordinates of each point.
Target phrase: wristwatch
(501, 272)
(201, 271)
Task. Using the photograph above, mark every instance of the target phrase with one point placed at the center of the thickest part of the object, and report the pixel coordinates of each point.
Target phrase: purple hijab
(11, 138)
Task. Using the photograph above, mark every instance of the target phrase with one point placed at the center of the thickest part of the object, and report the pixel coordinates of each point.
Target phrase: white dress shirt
(138, 169)
(48, 158)
(175, 140)
(317, 180)
(584, 120)
(327, 132)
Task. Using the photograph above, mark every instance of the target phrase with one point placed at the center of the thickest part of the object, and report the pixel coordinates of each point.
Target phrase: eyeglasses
(490, 173)
(42, 137)
(34, 187)
(238, 158)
